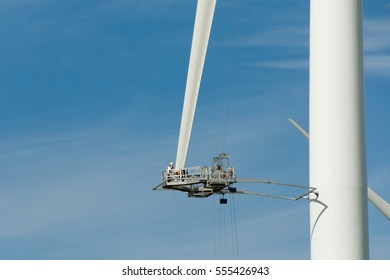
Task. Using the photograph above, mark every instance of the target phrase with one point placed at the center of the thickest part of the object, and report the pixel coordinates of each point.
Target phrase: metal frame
(204, 181)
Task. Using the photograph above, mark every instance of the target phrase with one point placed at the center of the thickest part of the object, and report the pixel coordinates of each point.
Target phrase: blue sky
(91, 94)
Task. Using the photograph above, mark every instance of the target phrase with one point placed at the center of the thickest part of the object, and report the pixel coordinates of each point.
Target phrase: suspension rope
(225, 233)
(215, 230)
(221, 231)
(225, 111)
(178, 243)
(235, 227)
(225, 243)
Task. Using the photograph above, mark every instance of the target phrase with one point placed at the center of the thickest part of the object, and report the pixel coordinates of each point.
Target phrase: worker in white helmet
(170, 168)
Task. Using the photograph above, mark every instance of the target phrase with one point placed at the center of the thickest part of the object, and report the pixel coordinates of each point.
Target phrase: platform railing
(187, 174)
(199, 173)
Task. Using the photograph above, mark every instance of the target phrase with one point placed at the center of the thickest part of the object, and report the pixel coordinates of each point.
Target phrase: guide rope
(178, 243)
(225, 110)
(222, 136)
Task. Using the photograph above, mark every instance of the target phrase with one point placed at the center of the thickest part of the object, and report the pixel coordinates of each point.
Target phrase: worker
(169, 172)
(170, 168)
(231, 172)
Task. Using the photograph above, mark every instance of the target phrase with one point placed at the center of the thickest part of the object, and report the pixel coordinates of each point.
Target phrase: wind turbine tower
(338, 217)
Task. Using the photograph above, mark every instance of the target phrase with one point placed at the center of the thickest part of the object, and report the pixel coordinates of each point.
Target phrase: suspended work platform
(204, 181)
(200, 181)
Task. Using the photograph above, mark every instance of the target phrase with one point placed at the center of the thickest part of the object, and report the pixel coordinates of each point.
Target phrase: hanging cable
(225, 233)
(235, 228)
(221, 232)
(225, 111)
(225, 241)
(215, 230)
(231, 228)
(178, 243)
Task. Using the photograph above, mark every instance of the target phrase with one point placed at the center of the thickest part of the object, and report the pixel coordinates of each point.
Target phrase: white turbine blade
(374, 198)
(379, 203)
(300, 129)
(200, 39)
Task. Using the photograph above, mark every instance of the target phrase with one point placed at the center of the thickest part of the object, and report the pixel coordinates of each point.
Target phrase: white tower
(338, 218)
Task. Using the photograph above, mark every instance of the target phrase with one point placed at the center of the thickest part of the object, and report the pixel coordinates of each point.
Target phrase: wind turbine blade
(373, 197)
(300, 129)
(379, 203)
(200, 39)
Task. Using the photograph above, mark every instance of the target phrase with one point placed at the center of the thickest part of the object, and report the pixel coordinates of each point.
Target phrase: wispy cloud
(376, 35)
(377, 46)
(378, 64)
(278, 37)
(62, 182)
(282, 36)
(297, 64)
(8, 4)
